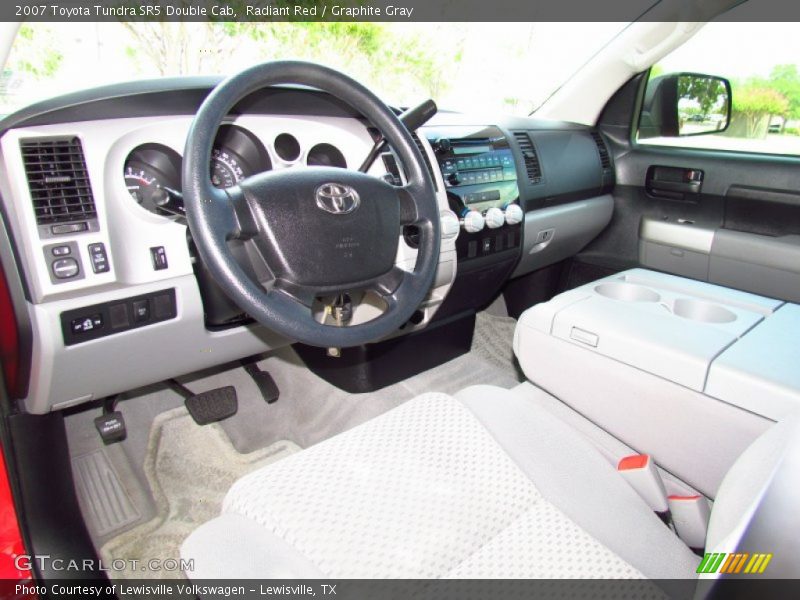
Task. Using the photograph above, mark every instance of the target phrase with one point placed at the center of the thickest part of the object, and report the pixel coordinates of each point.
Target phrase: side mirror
(685, 104)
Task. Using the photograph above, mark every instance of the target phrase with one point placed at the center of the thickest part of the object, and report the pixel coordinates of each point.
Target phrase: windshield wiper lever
(413, 119)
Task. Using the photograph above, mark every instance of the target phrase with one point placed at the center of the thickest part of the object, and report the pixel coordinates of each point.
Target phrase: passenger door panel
(725, 217)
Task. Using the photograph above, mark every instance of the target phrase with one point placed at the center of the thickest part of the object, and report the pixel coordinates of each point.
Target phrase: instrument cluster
(152, 171)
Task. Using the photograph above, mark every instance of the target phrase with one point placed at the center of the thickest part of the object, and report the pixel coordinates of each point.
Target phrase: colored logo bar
(733, 563)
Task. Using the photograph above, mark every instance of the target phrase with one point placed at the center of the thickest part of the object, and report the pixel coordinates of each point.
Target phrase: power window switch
(141, 311)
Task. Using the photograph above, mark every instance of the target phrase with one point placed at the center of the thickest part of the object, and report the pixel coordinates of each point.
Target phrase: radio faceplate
(477, 166)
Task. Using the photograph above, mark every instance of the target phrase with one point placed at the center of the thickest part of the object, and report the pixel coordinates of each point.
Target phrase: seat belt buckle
(640, 471)
(690, 516)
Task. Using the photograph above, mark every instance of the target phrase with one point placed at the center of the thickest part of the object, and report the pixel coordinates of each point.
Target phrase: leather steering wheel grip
(216, 216)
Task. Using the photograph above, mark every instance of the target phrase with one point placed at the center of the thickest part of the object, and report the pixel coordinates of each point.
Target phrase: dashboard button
(118, 313)
(86, 324)
(65, 268)
(141, 311)
(60, 250)
(159, 256)
(97, 254)
(164, 306)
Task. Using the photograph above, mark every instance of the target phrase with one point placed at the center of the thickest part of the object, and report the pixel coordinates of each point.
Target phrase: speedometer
(226, 168)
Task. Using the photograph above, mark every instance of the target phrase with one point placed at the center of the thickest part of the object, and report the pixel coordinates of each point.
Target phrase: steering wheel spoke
(301, 295)
(409, 215)
(245, 225)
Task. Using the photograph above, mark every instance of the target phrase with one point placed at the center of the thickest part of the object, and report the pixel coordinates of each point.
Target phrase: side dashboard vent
(58, 180)
(602, 150)
(425, 157)
(532, 166)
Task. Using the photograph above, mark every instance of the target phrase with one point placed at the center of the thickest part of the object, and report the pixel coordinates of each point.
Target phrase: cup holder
(627, 292)
(697, 310)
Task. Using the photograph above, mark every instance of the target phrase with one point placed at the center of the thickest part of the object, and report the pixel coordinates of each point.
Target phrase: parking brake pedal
(110, 425)
(210, 406)
(264, 381)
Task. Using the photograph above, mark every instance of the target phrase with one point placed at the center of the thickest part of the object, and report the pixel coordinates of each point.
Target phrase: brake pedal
(210, 406)
(266, 384)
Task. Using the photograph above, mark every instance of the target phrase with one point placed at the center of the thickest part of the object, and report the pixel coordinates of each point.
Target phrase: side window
(762, 63)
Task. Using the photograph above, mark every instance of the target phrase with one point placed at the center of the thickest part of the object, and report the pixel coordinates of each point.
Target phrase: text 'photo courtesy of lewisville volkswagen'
(367, 299)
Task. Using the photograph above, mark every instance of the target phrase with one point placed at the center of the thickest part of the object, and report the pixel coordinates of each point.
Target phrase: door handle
(673, 182)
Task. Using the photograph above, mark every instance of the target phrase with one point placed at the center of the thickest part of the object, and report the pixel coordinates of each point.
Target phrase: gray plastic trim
(570, 226)
(758, 263)
(774, 252)
(684, 235)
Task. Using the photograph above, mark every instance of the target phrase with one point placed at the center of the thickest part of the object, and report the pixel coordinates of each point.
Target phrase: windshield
(507, 67)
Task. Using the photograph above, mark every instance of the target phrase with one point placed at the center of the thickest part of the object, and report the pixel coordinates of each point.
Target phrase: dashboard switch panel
(109, 318)
(63, 262)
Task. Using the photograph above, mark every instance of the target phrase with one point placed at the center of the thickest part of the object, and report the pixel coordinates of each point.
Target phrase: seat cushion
(424, 491)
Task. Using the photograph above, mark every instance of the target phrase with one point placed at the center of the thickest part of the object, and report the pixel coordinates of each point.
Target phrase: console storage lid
(761, 371)
(665, 325)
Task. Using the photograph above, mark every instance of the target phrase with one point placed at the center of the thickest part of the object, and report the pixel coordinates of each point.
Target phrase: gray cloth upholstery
(233, 547)
(758, 507)
(574, 476)
(483, 485)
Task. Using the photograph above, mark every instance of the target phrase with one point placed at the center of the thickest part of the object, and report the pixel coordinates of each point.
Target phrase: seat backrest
(757, 509)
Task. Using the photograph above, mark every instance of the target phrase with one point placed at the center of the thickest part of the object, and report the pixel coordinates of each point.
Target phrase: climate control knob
(514, 214)
(473, 221)
(450, 225)
(495, 218)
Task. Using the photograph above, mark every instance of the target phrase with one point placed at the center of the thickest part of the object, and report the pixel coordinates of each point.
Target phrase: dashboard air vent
(532, 166)
(425, 157)
(602, 150)
(58, 180)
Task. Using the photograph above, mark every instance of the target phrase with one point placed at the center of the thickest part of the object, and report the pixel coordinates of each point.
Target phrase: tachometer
(141, 182)
(226, 169)
(153, 178)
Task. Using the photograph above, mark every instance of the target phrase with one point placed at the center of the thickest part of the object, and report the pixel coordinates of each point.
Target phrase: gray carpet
(170, 475)
(189, 470)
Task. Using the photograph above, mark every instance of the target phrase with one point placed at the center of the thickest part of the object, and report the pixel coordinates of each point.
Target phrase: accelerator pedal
(266, 384)
(210, 406)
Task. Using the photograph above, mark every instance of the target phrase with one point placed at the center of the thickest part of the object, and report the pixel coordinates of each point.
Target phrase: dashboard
(115, 296)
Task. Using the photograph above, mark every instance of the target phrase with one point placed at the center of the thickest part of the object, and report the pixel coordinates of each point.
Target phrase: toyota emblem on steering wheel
(337, 198)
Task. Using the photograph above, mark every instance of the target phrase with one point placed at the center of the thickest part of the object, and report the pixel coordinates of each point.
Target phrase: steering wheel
(321, 231)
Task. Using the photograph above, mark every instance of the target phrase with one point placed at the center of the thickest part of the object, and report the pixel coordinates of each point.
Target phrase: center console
(684, 370)
(480, 178)
(479, 173)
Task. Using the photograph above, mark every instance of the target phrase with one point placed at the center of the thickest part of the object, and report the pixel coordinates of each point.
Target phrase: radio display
(477, 166)
(471, 149)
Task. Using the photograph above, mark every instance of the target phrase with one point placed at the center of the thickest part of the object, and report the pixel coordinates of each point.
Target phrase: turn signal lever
(413, 119)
